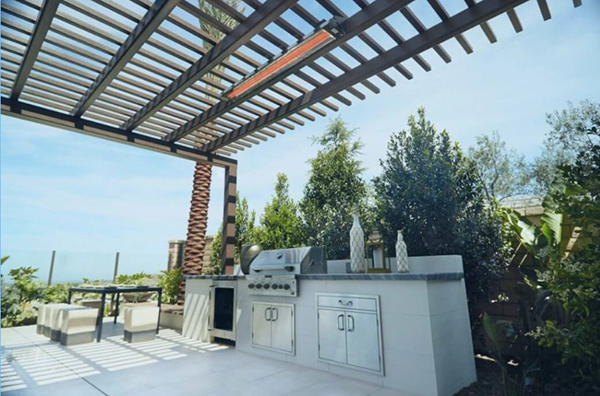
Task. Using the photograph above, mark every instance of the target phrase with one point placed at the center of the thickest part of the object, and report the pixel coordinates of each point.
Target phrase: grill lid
(300, 260)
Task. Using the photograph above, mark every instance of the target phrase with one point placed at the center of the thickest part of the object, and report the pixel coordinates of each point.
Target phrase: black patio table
(104, 290)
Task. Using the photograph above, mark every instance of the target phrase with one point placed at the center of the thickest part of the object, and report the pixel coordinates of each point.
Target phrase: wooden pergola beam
(40, 30)
(269, 11)
(53, 118)
(159, 11)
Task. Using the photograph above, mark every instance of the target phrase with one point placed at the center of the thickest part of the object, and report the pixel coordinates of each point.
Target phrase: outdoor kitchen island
(409, 332)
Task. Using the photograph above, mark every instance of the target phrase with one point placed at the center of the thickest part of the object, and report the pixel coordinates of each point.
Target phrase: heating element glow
(290, 58)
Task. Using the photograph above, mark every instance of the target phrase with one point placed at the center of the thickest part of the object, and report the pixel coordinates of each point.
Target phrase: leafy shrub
(574, 280)
(139, 278)
(24, 280)
(17, 297)
(58, 293)
(560, 303)
(432, 192)
(169, 281)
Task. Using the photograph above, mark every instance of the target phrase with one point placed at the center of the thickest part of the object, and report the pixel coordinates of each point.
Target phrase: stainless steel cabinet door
(362, 337)
(332, 335)
(261, 324)
(282, 328)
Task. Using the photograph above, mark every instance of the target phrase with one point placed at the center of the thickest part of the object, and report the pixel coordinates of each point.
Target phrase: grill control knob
(250, 285)
(280, 286)
(258, 286)
(266, 286)
(286, 287)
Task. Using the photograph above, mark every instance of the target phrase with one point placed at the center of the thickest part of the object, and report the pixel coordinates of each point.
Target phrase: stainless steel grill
(273, 272)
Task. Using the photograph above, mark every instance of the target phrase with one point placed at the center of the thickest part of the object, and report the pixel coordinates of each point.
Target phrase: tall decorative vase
(401, 254)
(357, 246)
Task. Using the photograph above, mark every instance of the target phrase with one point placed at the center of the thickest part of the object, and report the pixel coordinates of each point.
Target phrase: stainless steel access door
(282, 328)
(261, 324)
(362, 340)
(332, 335)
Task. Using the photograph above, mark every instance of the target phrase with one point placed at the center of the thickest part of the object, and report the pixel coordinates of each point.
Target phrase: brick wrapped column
(197, 223)
(228, 240)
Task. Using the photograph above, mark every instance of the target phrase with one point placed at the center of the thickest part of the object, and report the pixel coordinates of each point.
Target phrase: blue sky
(74, 193)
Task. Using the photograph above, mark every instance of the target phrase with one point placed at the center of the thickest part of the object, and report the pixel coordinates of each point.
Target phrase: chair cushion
(80, 320)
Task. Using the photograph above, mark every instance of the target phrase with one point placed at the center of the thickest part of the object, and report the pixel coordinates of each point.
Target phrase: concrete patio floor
(170, 365)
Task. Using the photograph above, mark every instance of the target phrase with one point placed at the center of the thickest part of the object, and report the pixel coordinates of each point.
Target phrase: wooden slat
(397, 37)
(420, 28)
(487, 30)
(443, 14)
(514, 20)
(543, 6)
(314, 22)
(364, 36)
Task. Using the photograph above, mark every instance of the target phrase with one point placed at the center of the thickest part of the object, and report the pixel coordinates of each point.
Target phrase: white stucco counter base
(423, 317)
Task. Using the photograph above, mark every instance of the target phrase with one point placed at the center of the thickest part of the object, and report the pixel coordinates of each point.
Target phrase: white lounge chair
(140, 323)
(78, 326)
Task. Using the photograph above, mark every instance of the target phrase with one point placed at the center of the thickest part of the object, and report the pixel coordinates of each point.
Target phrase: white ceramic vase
(357, 246)
(401, 254)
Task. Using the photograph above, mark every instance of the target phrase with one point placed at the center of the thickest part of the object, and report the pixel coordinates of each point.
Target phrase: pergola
(146, 73)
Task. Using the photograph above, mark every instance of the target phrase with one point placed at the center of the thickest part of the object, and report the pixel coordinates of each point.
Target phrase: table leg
(117, 307)
(101, 317)
(159, 303)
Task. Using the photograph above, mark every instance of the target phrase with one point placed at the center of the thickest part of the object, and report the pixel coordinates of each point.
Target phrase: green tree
(432, 192)
(565, 140)
(281, 226)
(169, 281)
(334, 190)
(504, 172)
(573, 280)
(245, 233)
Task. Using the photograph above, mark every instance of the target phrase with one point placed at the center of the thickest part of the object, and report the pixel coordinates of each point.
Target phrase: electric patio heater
(323, 35)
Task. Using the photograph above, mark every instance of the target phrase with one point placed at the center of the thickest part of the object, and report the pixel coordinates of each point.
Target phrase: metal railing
(60, 266)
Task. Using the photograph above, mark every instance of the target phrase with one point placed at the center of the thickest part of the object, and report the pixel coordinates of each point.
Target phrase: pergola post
(228, 238)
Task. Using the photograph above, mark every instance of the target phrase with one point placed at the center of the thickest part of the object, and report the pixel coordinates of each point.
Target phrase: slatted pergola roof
(156, 73)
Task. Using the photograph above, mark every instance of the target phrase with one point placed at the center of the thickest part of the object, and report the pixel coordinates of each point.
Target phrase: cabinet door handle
(348, 304)
(350, 323)
(340, 327)
(276, 314)
(270, 316)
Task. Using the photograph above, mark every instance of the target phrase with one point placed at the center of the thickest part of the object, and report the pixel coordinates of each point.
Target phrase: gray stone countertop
(215, 277)
(330, 277)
